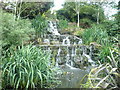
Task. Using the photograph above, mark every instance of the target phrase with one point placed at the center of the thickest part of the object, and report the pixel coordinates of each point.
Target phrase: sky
(57, 5)
(107, 9)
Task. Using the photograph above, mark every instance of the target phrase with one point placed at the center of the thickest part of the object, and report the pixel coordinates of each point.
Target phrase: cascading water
(53, 28)
(58, 57)
(69, 53)
(66, 41)
(47, 41)
(80, 41)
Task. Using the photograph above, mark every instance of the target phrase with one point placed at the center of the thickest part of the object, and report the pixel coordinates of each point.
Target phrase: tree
(75, 11)
(118, 14)
(113, 26)
(33, 9)
(67, 12)
(27, 9)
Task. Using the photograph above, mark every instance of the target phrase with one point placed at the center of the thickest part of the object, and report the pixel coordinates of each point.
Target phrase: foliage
(95, 34)
(62, 24)
(34, 9)
(98, 36)
(118, 14)
(27, 67)
(14, 32)
(0, 32)
(62, 14)
(27, 9)
(112, 27)
(105, 76)
(67, 12)
(79, 32)
(40, 25)
(86, 11)
(85, 23)
(103, 53)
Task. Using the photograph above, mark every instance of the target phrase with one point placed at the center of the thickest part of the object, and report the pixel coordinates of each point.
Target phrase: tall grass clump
(27, 67)
(95, 34)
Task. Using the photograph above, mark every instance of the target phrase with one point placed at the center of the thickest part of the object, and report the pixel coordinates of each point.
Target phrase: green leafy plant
(79, 32)
(14, 32)
(27, 67)
(86, 22)
(95, 34)
(40, 25)
(105, 75)
(63, 24)
(103, 53)
(112, 27)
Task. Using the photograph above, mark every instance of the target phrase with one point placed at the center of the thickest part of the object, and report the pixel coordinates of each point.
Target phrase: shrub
(85, 23)
(79, 32)
(14, 32)
(95, 34)
(28, 67)
(103, 53)
(112, 27)
(63, 24)
(40, 25)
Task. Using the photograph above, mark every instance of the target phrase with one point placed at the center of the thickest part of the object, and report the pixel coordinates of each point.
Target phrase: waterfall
(53, 28)
(58, 57)
(66, 41)
(89, 59)
(71, 56)
(80, 41)
(47, 41)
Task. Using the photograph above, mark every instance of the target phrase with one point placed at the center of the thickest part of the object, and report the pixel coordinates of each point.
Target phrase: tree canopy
(86, 10)
(28, 9)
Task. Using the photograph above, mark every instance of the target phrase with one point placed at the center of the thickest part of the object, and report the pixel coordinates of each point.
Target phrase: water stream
(53, 28)
(71, 56)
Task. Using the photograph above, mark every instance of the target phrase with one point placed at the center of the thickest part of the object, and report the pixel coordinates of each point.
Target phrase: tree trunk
(78, 23)
(98, 16)
(19, 11)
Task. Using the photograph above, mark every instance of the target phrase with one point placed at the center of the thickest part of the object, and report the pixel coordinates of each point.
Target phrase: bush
(95, 34)
(40, 25)
(63, 24)
(86, 22)
(79, 32)
(112, 27)
(98, 36)
(28, 67)
(14, 32)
